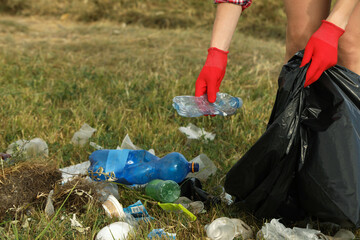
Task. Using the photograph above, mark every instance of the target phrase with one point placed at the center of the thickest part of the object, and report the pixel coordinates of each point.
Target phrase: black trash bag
(308, 159)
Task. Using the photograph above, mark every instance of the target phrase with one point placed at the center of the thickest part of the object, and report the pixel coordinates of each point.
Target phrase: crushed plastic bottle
(138, 166)
(191, 106)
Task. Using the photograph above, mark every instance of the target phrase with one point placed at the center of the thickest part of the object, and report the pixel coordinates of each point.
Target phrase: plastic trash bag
(308, 159)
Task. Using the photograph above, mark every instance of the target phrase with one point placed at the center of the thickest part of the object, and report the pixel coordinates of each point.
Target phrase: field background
(116, 65)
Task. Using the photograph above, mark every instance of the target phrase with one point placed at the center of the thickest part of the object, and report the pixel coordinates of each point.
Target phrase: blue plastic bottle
(138, 166)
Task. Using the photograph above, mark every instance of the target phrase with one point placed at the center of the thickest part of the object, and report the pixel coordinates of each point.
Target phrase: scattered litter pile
(24, 184)
(28, 185)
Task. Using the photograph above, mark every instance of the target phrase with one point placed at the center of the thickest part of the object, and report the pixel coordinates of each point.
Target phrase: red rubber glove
(321, 49)
(212, 74)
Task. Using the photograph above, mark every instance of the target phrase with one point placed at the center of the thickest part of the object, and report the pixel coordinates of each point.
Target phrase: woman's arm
(341, 12)
(211, 75)
(227, 16)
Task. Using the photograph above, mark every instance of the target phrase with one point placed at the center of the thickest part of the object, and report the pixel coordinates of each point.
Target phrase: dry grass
(264, 19)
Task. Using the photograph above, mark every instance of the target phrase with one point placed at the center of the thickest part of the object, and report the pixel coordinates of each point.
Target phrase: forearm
(341, 12)
(227, 16)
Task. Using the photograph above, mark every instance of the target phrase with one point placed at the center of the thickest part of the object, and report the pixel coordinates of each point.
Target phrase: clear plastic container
(191, 106)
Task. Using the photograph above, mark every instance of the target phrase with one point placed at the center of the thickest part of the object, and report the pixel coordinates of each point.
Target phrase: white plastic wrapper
(193, 132)
(128, 144)
(224, 228)
(74, 170)
(82, 136)
(277, 231)
(75, 224)
(96, 146)
(29, 148)
(49, 207)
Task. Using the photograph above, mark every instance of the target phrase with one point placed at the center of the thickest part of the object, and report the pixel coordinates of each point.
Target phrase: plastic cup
(113, 208)
(116, 230)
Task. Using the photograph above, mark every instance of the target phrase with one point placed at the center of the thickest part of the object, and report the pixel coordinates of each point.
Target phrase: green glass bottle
(166, 191)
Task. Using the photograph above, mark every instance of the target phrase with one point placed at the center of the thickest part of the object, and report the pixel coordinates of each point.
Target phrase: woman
(327, 37)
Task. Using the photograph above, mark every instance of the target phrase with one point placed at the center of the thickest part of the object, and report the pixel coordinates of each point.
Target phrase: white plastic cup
(113, 208)
(227, 229)
(116, 230)
(221, 229)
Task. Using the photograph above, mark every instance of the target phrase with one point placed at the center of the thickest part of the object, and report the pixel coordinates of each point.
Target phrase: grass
(265, 19)
(57, 74)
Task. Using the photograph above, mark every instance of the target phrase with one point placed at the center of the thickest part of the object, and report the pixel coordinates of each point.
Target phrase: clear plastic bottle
(138, 166)
(166, 191)
(191, 106)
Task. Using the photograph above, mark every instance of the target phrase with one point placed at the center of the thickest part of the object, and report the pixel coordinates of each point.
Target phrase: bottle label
(116, 162)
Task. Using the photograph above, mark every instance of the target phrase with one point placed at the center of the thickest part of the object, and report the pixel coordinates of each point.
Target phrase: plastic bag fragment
(82, 136)
(206, 168)
(194, 132)
(29, 148)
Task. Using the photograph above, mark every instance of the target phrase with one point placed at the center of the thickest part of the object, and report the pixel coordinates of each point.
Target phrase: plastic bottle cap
(194, 167)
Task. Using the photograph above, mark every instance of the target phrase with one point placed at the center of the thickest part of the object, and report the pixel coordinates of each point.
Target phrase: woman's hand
(321, 50)
(212, 74)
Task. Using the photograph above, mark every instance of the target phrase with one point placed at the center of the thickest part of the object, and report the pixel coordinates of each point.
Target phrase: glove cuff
(329, 32)
(334, 26)
(217, 50)
(216, 58)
